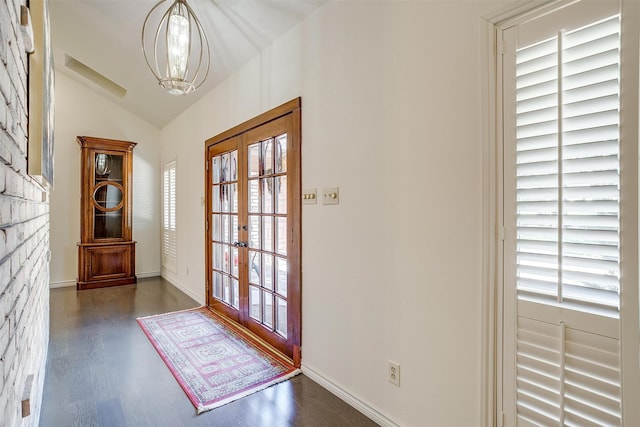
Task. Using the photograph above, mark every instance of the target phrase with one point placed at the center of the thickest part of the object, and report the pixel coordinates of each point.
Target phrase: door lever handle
(240, 244)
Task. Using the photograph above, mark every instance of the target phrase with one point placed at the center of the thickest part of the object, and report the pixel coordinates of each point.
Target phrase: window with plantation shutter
(561, 358)
(567, 140)
(169, 258)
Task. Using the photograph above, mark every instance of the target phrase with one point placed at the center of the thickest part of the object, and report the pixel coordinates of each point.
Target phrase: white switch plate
(309, 196)
(330, 196)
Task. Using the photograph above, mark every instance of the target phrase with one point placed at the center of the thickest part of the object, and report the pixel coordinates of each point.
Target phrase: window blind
(169, 250)
(567, 167)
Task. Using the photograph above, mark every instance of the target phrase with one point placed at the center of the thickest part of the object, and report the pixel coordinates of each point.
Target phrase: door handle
(240, 244)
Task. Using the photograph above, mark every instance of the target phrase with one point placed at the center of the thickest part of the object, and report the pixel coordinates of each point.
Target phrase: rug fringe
(246, 393)
(171, 312)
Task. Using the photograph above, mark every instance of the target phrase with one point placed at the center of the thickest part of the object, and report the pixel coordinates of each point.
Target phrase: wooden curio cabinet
(106, 252)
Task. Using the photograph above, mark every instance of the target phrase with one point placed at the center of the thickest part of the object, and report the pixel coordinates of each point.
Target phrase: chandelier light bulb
(178, 42)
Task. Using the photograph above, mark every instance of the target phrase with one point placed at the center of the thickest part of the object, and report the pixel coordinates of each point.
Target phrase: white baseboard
(62, 284)
(147, 275)
(349, 398)
(192, 295)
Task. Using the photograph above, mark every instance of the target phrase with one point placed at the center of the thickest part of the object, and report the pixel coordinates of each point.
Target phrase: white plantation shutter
(561, 354)
(566, 376)
(568, 167)
(169, 250)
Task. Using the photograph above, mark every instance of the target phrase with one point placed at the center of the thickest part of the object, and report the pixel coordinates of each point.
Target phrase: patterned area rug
(214, 361)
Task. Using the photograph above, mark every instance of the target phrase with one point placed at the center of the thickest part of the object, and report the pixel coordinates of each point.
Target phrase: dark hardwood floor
(103, 371)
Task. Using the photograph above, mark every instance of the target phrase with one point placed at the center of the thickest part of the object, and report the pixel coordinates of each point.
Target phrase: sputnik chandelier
(177, 52)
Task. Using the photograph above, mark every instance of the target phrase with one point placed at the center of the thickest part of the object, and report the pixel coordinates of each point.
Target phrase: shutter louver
(568, 167)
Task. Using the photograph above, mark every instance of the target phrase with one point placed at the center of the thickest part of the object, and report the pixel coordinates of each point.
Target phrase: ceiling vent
(94, 76)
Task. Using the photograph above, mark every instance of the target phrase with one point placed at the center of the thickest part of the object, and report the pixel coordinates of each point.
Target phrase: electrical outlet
(394, 373)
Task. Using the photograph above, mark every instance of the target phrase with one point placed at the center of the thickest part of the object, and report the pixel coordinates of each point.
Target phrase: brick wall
(24, 238)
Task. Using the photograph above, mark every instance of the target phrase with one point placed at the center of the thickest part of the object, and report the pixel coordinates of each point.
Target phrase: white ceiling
(105, 35)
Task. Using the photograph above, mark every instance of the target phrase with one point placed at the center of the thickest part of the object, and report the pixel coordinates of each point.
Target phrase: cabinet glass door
(108, 196)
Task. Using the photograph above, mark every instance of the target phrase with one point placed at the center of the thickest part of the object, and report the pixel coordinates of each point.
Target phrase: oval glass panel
(108, 197)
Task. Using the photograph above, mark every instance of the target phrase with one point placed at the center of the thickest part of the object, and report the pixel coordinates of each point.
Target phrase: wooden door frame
(294, 257)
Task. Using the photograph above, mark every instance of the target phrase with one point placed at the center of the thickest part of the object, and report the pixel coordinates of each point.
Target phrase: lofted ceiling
(97, 39)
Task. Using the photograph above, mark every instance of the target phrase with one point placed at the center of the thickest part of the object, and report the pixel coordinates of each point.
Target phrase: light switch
(330, 196)
(309, 196)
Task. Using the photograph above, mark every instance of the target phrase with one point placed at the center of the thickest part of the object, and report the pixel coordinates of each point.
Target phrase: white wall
(392, 114)
(82, 111)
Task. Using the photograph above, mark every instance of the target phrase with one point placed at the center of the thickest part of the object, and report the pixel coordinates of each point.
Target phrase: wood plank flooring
(103, 371)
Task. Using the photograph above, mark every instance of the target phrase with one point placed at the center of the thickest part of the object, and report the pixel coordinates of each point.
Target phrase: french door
(253, 226)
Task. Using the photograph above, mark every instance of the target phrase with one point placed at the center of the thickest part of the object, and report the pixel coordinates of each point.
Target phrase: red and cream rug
(214, 361)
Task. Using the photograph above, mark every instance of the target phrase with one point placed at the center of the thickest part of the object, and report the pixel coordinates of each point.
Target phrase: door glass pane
(281, 276)
(233, 198)
(267, 273)
(226, 267)
(233, 166)
(281, 194)
(281, 153)
(254, 160)
(215, 227)
(234, 262)
(235, 291)
(254, 196)
(281, 316)
(267, 157)
(225, 228)
(267, 233)
(224, 168)
(254, 232)
(267, 195)
(217, 256)
(217, 285)
(254, 267)
(226, 289)
(224, 196)
(281, 235)
(234, 228)
(215, 198)
(254, 303)
(215, 167)
(267, 308)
